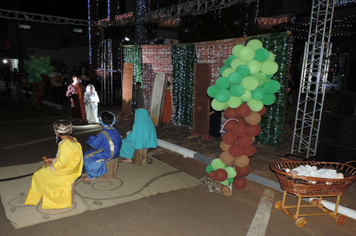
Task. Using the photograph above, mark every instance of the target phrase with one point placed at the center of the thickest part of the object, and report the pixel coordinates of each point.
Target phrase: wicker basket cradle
(303, 186)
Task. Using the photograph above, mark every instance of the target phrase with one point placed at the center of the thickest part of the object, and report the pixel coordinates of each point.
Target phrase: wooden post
(127, 92)
(158, 93)
(140, 156)
(201, 104)
(111, 166)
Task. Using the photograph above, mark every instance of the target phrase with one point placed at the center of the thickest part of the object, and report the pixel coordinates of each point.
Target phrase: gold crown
(62, 126)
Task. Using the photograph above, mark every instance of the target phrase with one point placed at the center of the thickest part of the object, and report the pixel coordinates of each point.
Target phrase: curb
(253, 177)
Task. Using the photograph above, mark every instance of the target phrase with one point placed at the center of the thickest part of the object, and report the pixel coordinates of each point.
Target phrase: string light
(89, 36)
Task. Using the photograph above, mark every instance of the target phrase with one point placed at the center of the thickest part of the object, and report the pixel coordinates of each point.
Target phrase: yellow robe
(53, 183)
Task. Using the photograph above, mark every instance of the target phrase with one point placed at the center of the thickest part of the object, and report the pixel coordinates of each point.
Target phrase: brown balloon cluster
(237, 146)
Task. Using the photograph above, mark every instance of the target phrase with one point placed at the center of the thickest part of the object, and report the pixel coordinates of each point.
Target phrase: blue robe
(143, 135)
(105, 146)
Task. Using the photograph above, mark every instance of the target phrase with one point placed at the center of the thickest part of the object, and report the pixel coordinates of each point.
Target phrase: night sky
(76, 9)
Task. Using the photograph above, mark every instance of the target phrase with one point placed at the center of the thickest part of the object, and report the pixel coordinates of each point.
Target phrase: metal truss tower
(313, 79)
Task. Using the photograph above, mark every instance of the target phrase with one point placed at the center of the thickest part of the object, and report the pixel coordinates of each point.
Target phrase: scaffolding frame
(313, 79)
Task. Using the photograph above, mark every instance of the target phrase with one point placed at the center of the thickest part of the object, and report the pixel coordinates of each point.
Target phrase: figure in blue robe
(105, 146)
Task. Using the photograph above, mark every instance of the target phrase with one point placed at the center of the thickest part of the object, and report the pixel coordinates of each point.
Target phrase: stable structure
(313, 79)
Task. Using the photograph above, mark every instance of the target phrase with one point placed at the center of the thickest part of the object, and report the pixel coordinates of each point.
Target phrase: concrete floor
(193, 211)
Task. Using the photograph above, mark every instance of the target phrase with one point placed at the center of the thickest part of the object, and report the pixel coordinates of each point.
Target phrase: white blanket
(313, 171)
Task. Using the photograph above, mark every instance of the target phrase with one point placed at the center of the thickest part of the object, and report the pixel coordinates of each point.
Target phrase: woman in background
(91, 101)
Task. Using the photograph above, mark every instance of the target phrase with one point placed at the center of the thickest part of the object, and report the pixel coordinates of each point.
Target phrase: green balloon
(269, 99)
(237, 90)
(230, 180)
(269, 67)
(223, 95)
(271, 57)
(225, 182)
(234, 102)
(209, 168)
(258, 93)
(272, 86)
(236, 49)
(247, 54)
(222, 69)
(249, 83)
(231, 172)
(227, 72)
(212, 90)
(229, 60)
(255, 105)
(269, 76)
(255, 66)
(217, 164)
(254, 44)
(236, 62)
(235, 78)
(261, 78)
(246, 96)
(222, 83)
(217, 106)
(262, 54)
(244, 70)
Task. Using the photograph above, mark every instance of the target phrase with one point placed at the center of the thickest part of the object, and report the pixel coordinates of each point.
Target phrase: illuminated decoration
(273, 121)
(140, 36)
(342, 3)
(264, 23)
(133, 54)
(89, 37)
(183, 59)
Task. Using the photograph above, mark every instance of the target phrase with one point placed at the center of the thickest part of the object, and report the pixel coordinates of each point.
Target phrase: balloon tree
(243, 91)
(38, 71)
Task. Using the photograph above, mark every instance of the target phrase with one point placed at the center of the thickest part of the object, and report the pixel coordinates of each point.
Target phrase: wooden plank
(201, 105)
(111, 166)
(140, 156)
(127, 84)
(157, 98)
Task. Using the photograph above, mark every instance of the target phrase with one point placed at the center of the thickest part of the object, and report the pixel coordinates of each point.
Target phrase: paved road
(27, 135)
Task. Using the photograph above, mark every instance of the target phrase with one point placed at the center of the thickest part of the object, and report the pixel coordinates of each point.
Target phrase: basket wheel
(340, 219)
(278, 205)
(314, 202)
(300, 222)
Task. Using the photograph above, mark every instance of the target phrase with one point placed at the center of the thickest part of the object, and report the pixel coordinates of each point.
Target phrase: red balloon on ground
(239, 183)
(229, 138)
(236, 150)
(249, 151)
(230, 113)
(242, 171)
(219, 174)
(253, 130)
(245, 140)
(239, 129)
(228, 125)
(243, 110)
(262, 111)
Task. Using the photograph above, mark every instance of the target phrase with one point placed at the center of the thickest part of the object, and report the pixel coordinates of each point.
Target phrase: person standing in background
(76, 92)
(91, 101)
(167, 107)
(138, 96)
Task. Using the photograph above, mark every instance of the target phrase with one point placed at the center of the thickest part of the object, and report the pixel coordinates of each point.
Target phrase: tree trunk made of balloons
(243, 90)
